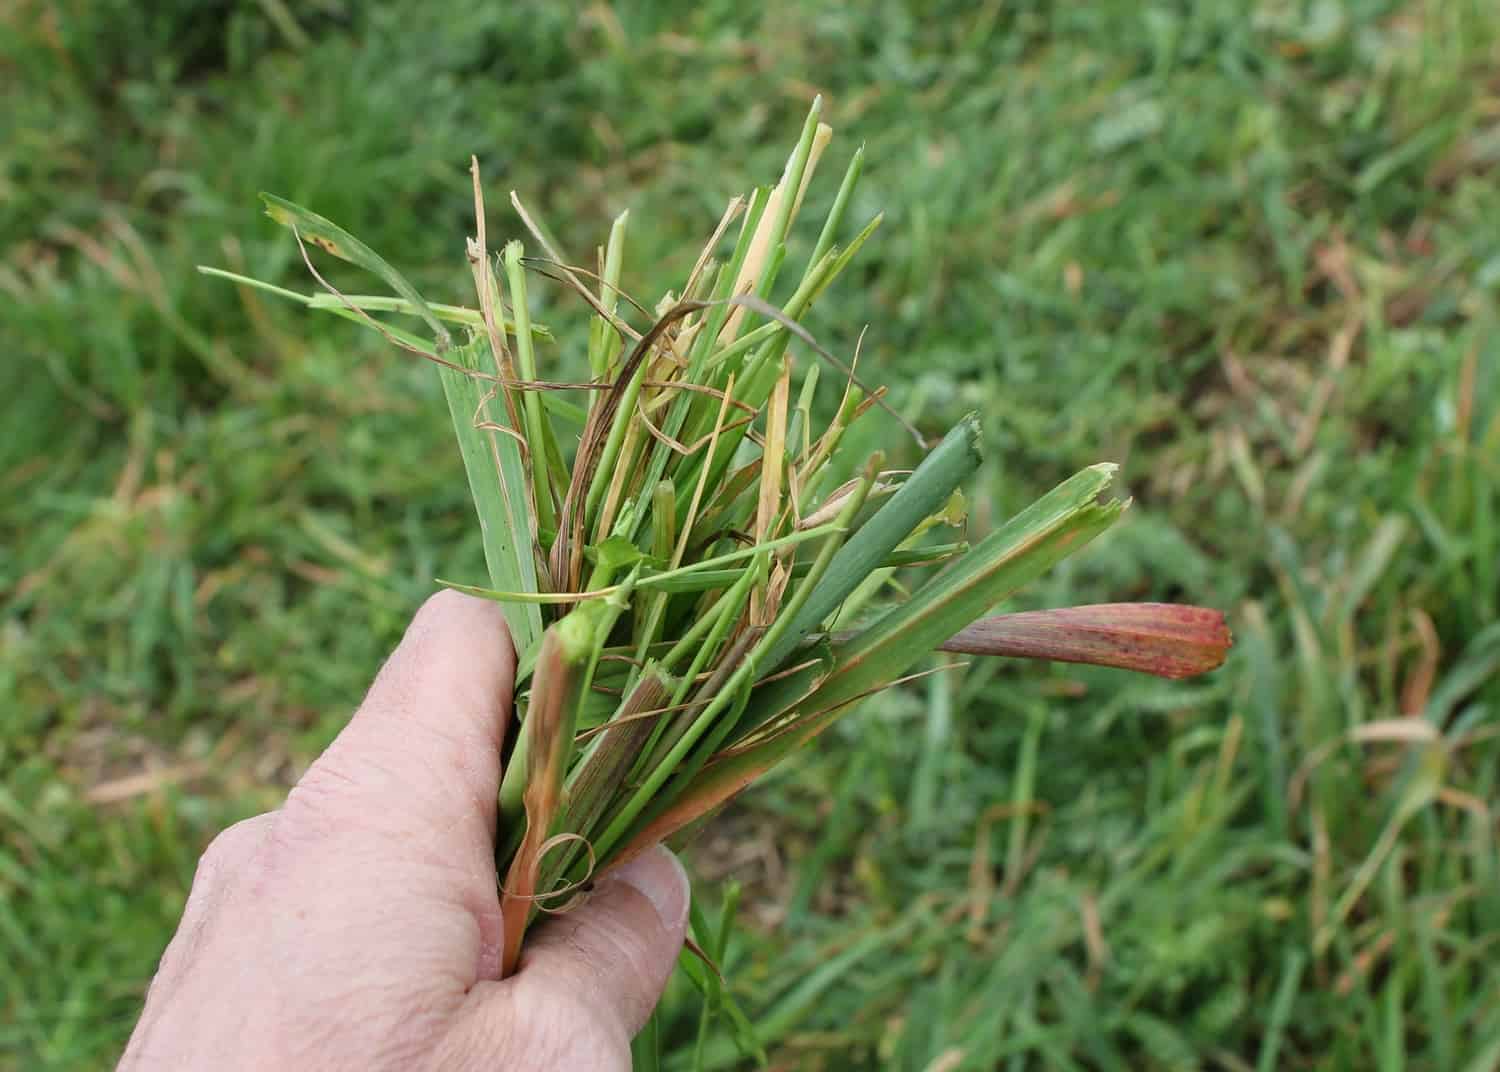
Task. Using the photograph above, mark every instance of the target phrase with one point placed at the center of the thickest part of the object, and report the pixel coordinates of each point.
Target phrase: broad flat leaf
(497, 482)
(950, 463)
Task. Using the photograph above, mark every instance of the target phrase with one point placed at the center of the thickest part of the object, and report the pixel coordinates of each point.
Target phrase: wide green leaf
(497, 482)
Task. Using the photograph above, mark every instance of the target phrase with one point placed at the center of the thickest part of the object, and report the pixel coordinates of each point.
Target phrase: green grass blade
(1052, 528)
(1049, 530)
(675, 580)
(1281, 1010)
(537, 429)
(332, 238)
(497, 482)
(840, 205)
(949, 464)
(258, 284)
(645, 1048)
(791, 183)
(603, 338)
(384, 303)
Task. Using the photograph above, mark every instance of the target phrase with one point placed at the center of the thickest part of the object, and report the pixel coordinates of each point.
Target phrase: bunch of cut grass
(677, 558)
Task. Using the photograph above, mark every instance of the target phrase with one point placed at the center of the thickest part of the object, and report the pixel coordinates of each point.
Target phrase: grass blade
(497, 482)
(1032, 542)
(538, 431)
(332, 238)
(949, 464)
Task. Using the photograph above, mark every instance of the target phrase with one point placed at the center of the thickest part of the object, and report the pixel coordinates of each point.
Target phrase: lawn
(1249, 250)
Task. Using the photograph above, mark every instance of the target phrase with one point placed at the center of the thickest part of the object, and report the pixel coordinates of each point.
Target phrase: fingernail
(658, 876)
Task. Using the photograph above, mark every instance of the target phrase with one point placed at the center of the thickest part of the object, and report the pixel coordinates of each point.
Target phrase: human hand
(358, 926)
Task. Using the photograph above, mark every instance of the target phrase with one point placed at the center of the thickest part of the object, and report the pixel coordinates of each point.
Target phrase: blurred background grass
(1249, 249)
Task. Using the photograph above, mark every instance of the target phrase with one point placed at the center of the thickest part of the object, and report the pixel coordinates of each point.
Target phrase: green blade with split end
(329, 236)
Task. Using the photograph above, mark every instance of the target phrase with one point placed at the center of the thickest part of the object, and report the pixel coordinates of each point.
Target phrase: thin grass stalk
(537, 433)
(602, 328)
(835, 218)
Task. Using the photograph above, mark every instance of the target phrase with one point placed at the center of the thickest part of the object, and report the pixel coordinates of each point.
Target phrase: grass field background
(1250, 250)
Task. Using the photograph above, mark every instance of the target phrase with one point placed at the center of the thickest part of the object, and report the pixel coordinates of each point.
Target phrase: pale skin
(358, 926)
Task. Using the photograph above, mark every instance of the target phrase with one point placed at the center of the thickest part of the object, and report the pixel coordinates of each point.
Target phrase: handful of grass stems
(692, 590)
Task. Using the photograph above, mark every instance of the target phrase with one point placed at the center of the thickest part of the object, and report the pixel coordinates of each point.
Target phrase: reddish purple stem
(1165, 639)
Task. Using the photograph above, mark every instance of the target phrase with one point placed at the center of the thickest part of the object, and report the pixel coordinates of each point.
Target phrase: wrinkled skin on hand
(358, 926)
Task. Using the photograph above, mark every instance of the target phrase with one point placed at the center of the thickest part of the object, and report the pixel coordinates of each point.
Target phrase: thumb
(590, 977)
(620, 946)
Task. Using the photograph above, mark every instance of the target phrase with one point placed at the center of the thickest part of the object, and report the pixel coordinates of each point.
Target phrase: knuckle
(341, 790)
(626, 953)
(568, 1033)
(446, 602)
(341, 795)
(585, 1041)
(233, 847)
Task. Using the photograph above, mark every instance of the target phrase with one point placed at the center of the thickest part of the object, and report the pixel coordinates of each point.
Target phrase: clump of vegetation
(697, 578)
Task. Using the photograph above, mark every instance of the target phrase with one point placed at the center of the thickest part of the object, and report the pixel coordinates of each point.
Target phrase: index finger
(424, 746)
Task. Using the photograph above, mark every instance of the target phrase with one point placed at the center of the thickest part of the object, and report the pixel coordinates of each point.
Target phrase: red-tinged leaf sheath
(1166, 639)
(556, 682)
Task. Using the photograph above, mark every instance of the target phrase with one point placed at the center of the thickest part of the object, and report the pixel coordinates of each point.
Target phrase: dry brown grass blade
(835, 501)
(698, 951)
(697, 499)
(760, 243)
(368, 320)
(698, 389)
(723, 501)
(774, 452)
(567, 553)
(542, 266)
(488, 289)
(619, 489)
(754, 264)
(610, 759)
(676, 445)
(731, 213)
